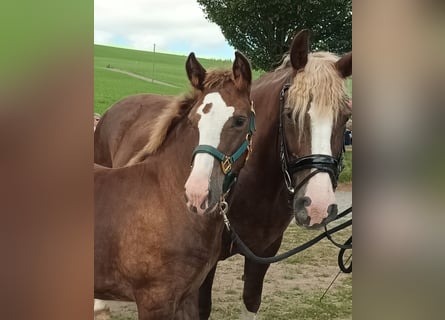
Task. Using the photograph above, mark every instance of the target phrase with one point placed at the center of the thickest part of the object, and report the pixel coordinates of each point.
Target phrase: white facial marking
(321, 130)
(319, 188)
(210, 126)
(246, 314)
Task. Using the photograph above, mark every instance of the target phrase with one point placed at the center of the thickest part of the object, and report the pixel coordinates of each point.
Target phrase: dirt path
(134, 75)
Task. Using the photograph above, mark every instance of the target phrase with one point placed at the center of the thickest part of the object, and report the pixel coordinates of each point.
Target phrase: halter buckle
(249, 146)
(288, 181)
(226, 165)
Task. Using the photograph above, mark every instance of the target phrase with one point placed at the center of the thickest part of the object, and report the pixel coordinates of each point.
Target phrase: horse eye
(238, 121)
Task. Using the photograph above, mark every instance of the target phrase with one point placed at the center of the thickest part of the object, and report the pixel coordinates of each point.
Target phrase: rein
(226, 161)
(326, 234)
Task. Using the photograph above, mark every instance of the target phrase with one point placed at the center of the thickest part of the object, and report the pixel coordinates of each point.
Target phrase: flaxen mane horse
(154, 244)
(302, 109)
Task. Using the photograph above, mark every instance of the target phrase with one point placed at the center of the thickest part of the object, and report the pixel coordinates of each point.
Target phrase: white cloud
(173, 25)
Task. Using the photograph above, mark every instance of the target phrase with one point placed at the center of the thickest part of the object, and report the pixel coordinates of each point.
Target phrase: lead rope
(267, 260)
(333, 280)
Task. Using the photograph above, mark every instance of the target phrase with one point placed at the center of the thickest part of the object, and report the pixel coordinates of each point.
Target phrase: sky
(175, 26)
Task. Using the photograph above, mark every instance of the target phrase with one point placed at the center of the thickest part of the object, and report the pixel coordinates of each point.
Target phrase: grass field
(110, 87)
(346, 175)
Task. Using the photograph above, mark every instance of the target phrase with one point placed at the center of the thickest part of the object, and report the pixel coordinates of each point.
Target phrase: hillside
(120, 72)
(164, 73)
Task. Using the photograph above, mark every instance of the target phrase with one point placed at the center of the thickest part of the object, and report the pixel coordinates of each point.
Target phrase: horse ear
(195, 72)
(344, 65)
(242, 71)
(300, 49)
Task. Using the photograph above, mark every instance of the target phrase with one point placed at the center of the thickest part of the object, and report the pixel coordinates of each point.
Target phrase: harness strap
(320, 162)
(204, 148)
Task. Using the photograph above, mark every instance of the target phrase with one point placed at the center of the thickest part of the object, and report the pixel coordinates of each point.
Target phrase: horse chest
(168, 247)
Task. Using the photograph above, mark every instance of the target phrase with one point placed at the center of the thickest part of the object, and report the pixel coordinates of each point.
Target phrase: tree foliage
(263, 30)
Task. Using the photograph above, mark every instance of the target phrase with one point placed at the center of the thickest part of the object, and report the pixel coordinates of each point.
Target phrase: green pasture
(346, 174)
(110, 86)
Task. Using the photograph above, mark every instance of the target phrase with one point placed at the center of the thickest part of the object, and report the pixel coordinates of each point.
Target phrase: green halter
(227, 161)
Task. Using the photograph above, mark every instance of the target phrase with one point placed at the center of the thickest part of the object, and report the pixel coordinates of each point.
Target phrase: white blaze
(210, 126)
(319, 188)
(321, 130)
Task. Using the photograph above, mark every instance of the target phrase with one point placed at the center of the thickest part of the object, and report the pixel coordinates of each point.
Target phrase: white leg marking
(246, 314)
(100, 305)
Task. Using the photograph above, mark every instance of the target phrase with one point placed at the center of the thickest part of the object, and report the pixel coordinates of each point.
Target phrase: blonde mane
(319, 83)
(177, 109)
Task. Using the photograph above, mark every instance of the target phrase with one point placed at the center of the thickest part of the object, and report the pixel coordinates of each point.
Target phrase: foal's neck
(175, 155)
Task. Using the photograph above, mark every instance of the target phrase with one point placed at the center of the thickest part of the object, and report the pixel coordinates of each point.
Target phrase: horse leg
(253, 281)
(189, 308)
(205, 295)
(151, 307)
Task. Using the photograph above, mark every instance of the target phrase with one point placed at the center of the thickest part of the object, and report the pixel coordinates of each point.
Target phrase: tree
(263, 30)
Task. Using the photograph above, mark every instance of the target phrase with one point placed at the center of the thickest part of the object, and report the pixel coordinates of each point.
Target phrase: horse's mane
(320, 83)
(175, 111)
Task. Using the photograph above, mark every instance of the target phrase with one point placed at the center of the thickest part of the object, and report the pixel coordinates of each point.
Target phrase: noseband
(227, 161)
(319, 162)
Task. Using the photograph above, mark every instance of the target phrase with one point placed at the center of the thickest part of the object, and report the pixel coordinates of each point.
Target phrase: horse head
(223, 115)
(314, 114)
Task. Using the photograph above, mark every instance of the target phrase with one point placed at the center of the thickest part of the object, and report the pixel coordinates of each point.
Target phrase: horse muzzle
(313, 217)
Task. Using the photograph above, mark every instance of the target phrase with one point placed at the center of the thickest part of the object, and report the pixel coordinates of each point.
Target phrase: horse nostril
(203, 205)
(209, 197)
(332, 210)
(193, 209)
(307, 201)
(302, 216)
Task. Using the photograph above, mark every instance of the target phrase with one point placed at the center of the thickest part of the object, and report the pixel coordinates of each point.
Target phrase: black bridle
(319, 162)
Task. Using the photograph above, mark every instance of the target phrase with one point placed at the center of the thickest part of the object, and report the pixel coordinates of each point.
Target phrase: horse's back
(124, 128)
